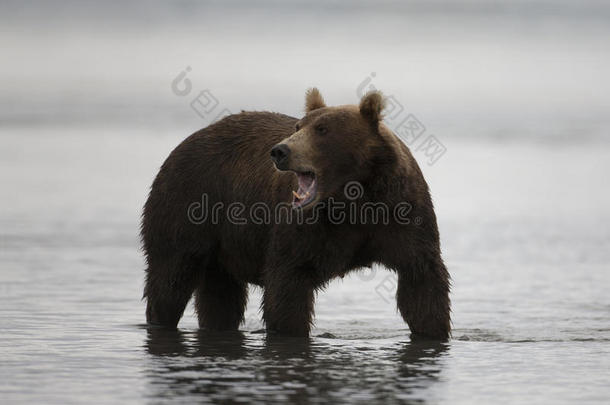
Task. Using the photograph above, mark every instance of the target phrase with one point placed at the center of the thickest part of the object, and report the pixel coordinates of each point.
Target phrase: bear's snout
(279, 155)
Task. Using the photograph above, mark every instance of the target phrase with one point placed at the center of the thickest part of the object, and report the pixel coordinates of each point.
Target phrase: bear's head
(332, 146)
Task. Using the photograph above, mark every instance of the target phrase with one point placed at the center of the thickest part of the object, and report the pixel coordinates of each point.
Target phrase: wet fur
(229, 161)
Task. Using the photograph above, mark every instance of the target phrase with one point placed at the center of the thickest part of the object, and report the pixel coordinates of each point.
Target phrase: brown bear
(268, 199)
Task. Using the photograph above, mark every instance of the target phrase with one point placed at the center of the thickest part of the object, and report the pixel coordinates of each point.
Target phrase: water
(521, 195)
(530, 307)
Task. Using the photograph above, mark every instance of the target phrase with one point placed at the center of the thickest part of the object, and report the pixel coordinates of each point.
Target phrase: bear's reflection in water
(249, 367)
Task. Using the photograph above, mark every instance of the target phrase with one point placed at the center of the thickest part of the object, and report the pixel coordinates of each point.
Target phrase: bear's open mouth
(307, 189)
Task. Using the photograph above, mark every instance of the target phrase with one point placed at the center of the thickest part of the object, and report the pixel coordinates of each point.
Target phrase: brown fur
(371, 106)
(313, 100)
(229, 162)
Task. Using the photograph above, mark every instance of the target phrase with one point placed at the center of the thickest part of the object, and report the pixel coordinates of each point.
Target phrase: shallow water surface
(531, 312)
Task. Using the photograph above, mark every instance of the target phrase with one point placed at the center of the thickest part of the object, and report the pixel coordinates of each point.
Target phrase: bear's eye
(320, 129)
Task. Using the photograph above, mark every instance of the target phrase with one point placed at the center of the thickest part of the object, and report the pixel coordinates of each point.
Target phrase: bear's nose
(279, 154)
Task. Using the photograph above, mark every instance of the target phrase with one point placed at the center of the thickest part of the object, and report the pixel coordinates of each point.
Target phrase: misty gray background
(517, 92)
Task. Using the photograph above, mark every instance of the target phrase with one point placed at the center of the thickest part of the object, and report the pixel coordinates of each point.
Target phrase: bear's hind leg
(422, 296)
(168, 289)
(220, 300)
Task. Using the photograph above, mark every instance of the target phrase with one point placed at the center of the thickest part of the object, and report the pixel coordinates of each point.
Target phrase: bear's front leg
(288, 302)
(423, 298)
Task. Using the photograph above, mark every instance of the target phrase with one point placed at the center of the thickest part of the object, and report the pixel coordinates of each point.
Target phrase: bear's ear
(313, 100)
(371, 106)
